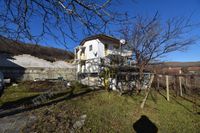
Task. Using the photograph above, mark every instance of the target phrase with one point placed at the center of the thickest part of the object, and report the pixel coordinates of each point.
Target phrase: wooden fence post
(180, 84)
(186, 81)
(158, 84)
(175, 85)
(88, 79)
(167, 86)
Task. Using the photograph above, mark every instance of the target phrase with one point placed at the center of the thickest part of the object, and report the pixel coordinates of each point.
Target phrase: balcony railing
(82, 57)
(118, 52)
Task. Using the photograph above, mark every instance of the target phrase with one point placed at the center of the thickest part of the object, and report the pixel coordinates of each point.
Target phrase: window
(90, 48)
(116, 46)
(106, 46)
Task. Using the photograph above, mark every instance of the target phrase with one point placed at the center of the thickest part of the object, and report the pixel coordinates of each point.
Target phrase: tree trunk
(140, 79)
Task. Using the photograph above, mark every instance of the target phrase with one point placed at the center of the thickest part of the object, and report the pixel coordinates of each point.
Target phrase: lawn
(110, 112)
(14, 93)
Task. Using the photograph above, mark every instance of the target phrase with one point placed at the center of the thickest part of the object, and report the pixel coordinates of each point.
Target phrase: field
(80, 109)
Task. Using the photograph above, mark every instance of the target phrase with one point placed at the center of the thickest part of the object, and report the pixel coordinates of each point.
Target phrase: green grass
(29, 89)
(113, 113)
(110, 112)
(14, 93)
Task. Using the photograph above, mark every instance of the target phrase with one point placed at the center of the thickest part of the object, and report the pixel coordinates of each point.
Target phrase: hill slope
(48, 53)
(181, 64)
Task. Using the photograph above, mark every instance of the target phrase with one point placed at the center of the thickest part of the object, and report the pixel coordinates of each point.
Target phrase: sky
(167, 9)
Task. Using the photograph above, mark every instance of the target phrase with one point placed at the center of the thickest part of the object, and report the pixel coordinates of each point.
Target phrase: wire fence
(186, 86)
(181, 84)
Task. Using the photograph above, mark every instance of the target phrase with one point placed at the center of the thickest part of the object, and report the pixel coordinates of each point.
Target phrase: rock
(83, 117)
(68, 84)
(80, 123)
(14, 84)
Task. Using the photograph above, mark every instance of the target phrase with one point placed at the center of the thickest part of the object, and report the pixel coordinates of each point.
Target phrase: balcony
(118, 52)
(82, 57)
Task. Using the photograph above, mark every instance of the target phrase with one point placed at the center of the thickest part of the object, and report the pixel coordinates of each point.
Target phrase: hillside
(175, 64)
(47, 53)
(28, 61)
(182, 64)
(175, 67)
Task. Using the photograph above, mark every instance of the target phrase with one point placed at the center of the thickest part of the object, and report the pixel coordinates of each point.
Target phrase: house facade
(91, 51)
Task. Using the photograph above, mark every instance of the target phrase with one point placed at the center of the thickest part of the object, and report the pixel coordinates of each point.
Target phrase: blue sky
(167, 9)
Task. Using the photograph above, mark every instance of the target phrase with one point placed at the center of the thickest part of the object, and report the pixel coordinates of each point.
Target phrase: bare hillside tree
(54, 18)
(150, 39)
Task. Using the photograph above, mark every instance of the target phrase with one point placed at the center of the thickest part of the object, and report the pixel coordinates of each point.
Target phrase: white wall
(92, 60)
(92, 57)
(97, 47)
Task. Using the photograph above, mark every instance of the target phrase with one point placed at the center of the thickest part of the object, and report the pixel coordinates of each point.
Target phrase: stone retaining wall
(26, 74)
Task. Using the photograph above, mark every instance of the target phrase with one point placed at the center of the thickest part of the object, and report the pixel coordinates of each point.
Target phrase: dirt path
(15, 123)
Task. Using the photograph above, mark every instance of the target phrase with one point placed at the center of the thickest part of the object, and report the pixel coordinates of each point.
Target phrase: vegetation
(109, 112)
(59, 20)
(14, 93)
(47, 53)
(149, 39)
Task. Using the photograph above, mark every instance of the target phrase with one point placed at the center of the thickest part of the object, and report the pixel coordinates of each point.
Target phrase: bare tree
(54, 18)
(150, 39)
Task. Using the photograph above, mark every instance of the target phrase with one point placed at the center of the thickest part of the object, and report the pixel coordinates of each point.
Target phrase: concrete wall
(18, 74)
(27, 67)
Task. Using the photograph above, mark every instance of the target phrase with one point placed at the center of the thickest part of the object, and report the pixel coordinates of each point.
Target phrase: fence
(181, 84)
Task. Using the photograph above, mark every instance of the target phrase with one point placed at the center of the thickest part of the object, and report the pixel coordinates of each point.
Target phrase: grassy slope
(110, 112)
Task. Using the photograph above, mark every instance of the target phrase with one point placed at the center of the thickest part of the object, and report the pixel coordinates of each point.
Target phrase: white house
(91, 50)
